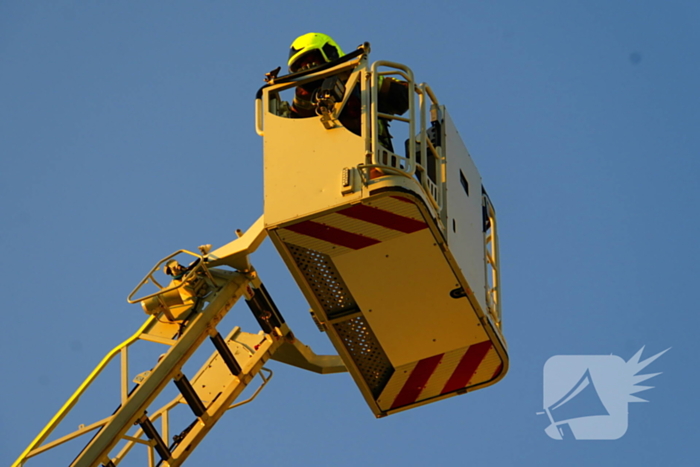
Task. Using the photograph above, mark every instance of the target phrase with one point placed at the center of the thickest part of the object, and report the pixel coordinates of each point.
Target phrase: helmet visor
(307, 61)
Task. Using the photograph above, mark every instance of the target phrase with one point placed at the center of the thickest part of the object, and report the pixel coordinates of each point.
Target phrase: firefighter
(314, 49)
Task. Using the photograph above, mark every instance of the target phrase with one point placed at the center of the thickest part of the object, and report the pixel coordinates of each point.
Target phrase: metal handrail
(349, 87)
(262, 99)
(259, 117)
(200, 265)
(493, 293)
(433, 187)
(407, 74)
(31, 450)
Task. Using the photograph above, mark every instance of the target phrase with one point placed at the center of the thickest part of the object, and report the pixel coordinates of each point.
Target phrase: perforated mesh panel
(366, 352)
(324, 279)
(355, 333)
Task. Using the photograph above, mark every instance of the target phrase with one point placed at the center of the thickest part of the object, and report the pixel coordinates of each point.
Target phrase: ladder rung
(226, 354)
(188, 392)
(151, 433)
(265, 310)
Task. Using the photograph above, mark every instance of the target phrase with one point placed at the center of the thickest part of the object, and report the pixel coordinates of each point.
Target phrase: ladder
(182, 316)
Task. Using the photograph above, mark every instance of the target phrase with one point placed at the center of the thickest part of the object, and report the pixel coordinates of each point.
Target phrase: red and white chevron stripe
(440, 375)
(356, 227)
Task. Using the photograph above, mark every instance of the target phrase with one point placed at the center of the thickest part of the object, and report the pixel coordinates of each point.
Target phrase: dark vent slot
(464, 182)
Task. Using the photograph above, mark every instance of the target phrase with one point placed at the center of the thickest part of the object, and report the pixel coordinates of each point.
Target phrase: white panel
(465, 235)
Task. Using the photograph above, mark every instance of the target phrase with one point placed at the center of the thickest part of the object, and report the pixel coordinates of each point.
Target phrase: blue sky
(127, 132)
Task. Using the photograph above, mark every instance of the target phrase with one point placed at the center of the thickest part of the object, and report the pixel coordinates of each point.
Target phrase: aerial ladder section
(182, 316)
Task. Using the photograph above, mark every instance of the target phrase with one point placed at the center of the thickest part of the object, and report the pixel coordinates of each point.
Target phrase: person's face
(308, 61)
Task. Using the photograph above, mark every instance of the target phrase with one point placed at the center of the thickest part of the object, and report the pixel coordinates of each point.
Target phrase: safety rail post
(381, 156)
(391, 161)
(493, 293)
(124, 374)
(434, 188)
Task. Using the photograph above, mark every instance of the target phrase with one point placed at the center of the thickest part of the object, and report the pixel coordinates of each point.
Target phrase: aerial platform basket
(396, 253)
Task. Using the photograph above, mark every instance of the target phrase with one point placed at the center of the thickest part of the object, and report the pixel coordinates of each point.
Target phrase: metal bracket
(235, 253)
(294, 353)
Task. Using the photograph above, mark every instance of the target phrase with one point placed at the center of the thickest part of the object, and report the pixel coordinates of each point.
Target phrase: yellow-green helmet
(323, 47)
